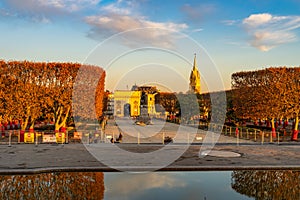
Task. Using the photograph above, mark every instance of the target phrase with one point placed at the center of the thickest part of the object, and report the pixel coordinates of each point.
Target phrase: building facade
(127, 103)
(110, 105)
(132, 102)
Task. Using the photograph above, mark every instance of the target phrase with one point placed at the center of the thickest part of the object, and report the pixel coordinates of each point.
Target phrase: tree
(33, 90)
(248, 88)
(267, 184)
(23, 98)
(270, 93)
(61, 77)
(230, 114)
(168, 101)
(188, 105)
(88, 93)
(73, 185)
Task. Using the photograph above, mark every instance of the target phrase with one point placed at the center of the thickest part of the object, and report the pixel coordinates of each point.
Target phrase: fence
(253, 134)
(9, 137)
(237, 134)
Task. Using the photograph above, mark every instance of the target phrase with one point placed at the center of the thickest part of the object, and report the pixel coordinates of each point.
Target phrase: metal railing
(237, 135)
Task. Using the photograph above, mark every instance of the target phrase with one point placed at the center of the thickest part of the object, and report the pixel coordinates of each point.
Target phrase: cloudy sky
(228, 36)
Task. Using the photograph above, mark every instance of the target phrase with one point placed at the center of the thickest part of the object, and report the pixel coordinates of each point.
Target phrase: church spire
(195, 63)
(195, 78)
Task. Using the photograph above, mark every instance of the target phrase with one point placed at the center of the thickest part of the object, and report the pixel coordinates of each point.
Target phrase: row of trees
(31, 91)
(272, 93)
(72, 185)
(186, 105)
(279, 184)
(183, 105)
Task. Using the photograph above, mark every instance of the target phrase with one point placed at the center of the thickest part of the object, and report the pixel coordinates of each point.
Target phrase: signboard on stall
(77, 135)
(60, 138)
(29, 138)
(49, 138)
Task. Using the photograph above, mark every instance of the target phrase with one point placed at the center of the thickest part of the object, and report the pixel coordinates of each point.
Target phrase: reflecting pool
(79, 185)
(170, 185)
(155, 185)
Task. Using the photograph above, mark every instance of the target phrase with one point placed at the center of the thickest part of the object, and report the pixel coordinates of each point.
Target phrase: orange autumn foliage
(35, 90)
(67, 185)
(270, 93)
(268, 184)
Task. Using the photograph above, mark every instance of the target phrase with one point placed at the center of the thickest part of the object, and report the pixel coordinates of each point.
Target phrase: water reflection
(156, 185)
(82, 185)
(267, 184)
(170, 185)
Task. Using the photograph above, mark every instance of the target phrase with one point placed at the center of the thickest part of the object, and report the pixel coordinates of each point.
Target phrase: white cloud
(258, 19)
(265, 41)
(121, 7)
(142, 182)
(229, 22)
(146, 31)
(267, 31)
(197, 30)
(123, 16)
(35, 5)
(44, 10)
(113, 8)
(196, 13)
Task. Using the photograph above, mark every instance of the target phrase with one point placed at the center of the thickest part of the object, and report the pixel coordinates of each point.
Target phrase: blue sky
(233, 35)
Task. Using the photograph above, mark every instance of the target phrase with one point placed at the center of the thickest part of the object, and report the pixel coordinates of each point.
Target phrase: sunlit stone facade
(130, 102)
(127, 103)
(195, 78)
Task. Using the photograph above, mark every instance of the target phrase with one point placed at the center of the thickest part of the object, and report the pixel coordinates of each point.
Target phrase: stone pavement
(28, 158)
(155, 133)
(147, 156)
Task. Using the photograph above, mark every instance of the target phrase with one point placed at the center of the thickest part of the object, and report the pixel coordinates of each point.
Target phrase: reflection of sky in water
(170, 185)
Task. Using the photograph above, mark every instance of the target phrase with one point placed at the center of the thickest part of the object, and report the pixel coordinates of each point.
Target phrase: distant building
(195, 79)
(132, 102)
(148, 98)
(127, 103)
(110, 104)
(140, 100)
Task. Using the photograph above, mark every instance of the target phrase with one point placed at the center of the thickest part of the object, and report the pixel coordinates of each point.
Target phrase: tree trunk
(295, 131)
(255, 122)
(62, 126)
(2, 130)
(31, 128)
(267, 123)
(24, 124)
(280, 120)
(286, 123)
(273, 128)
(23, 129)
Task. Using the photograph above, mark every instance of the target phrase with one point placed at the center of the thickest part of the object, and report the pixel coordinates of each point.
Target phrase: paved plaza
(155, 133)
(212, 153)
